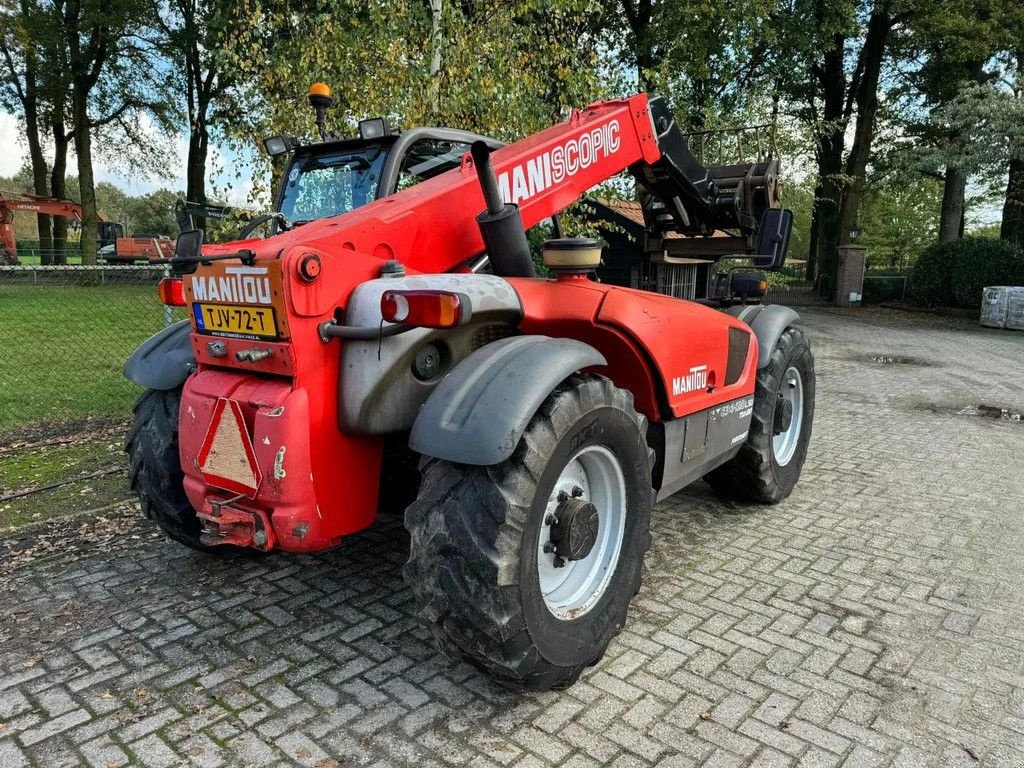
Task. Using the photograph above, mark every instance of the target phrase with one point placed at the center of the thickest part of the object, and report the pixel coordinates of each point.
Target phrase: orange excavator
(113, 246)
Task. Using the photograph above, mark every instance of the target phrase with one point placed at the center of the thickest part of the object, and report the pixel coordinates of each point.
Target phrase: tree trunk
(83, 149)
(58, 189)
(436, 40)
(811, 270)
(42, 220)
(867, 107)
(35, 151)
(1013, 207)
(195, 176)
(639, 18)
(953, 203)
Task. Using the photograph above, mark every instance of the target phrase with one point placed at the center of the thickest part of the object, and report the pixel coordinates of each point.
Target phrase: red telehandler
(546, 415)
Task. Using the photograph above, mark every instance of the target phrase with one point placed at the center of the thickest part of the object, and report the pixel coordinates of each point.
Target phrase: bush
(985, 262)
(931, 279)
(953, 274)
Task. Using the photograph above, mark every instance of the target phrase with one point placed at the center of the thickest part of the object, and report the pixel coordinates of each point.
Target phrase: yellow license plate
(246, 322)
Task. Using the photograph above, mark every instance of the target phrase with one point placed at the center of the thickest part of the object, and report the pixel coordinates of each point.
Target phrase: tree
(496, 67)
(899, 220)
(113, 82)
(835, 52)
(953, 98)
(710, 63)
(196, 32)
(23, 91)
(1012, 228)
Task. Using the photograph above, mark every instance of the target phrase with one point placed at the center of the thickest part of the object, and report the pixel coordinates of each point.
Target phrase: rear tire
(768, 466)
(155, 469)
(477, 566)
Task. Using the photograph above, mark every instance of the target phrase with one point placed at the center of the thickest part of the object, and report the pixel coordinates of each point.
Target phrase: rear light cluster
(425, 309)
(171, 291)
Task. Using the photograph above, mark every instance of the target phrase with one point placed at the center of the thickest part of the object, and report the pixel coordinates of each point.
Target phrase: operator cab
(332, 177)
(336, 175)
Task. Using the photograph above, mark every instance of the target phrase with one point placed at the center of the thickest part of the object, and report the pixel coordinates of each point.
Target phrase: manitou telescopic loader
(546, 415)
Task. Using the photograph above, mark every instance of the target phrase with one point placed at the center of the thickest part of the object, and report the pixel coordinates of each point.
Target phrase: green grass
(63, 348)
(33, 467)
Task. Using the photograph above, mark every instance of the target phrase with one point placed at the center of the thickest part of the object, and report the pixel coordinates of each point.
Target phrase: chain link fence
(65, 333)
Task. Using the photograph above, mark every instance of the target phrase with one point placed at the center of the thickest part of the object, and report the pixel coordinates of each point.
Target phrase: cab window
(326, 185)
(428, 158)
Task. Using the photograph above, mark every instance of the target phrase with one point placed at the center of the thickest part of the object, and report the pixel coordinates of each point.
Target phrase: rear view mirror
(187, 251)
(773, 238)
(189, 245)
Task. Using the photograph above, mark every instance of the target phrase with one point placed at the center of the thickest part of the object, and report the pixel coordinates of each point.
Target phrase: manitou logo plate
(237, 301)
(227, 459)
(696, 378)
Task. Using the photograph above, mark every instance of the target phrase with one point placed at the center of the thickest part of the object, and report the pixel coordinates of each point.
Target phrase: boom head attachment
(684, 196)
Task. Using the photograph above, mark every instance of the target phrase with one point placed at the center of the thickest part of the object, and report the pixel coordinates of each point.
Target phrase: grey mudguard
(768, 322)
(164, 360)
(479, 411)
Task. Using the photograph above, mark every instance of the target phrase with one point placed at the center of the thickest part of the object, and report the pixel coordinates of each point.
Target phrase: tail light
(171, 291)
(425, 309)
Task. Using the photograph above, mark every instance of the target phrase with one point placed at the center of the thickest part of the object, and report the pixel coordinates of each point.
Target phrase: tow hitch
(225, 523)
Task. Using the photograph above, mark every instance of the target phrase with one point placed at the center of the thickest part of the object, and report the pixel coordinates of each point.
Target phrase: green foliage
(979, 262)
(899, 220)
(931, 280)
(504, 69)
(954, 273)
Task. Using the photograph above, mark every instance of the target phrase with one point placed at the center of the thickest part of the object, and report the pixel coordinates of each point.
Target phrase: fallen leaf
(303, 754)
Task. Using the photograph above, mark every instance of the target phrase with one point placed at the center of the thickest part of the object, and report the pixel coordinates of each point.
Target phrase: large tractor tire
(767, 467)
(155, 469)
(526, 569)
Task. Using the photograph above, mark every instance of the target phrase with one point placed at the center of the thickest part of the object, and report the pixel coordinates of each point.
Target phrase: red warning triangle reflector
(227, 459)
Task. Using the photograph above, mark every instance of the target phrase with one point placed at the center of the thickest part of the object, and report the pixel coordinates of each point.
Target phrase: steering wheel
(262, 219)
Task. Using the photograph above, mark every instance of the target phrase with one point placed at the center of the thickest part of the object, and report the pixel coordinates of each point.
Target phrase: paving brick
(871, 618)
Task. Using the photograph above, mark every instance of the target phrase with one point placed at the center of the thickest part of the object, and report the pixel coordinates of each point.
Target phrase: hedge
(954, 273)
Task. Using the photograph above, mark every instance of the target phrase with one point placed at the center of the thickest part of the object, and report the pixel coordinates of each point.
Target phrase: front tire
(768, 465)
(485, 582)
(155, 468)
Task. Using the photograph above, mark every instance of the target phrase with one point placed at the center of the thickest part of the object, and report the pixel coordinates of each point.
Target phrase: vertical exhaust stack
(500, 225)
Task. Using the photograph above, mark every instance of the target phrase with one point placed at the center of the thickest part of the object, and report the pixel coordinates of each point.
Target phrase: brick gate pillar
(850, 275)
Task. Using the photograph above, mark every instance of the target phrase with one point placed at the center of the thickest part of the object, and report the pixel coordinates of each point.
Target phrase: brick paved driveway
(874, 618)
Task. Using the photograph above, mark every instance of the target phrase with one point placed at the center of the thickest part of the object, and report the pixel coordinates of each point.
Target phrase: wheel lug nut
(576, 491)
(549, 548)
(550, 519)
(562, 496)
(559, 562)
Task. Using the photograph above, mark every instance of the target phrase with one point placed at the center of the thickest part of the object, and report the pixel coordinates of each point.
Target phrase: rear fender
(164, 360)
(768, 322)
(479, 411)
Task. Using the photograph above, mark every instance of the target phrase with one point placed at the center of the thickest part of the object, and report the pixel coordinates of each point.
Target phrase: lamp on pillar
(854, 232)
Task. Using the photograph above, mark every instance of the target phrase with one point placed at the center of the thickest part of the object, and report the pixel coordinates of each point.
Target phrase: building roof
(634, 212)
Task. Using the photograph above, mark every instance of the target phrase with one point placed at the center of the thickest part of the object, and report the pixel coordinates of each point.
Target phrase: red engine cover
(672, 354)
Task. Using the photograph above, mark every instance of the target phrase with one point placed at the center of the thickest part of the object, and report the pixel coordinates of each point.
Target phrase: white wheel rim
(784, 444)
(572, 590)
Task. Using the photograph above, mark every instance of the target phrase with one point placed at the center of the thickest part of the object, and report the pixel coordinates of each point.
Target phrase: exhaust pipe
(501, 226)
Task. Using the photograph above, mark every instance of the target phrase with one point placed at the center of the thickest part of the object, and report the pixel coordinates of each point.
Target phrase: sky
(224, 164)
